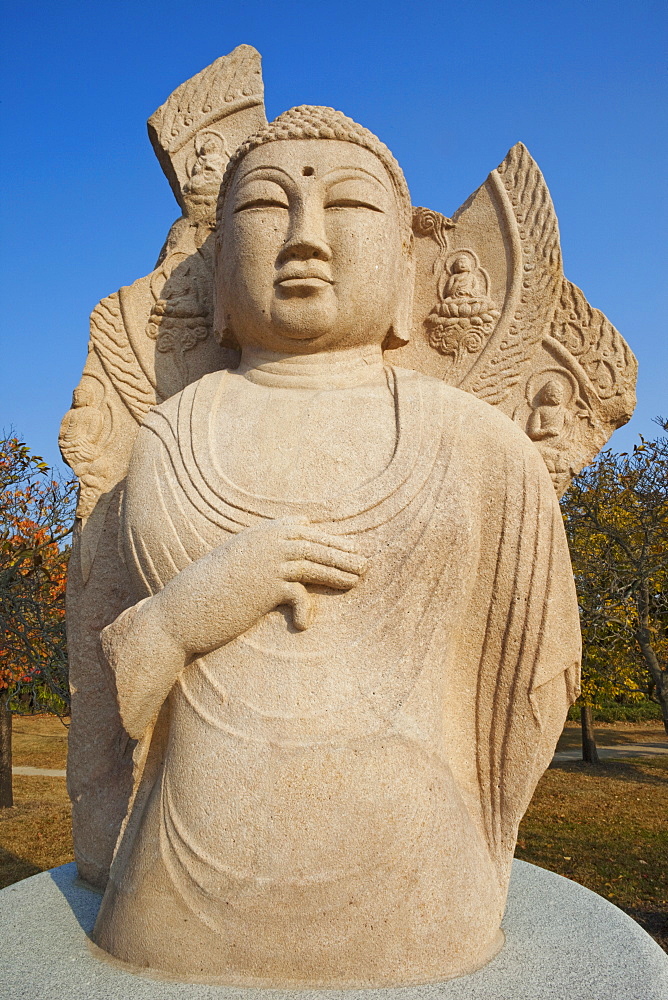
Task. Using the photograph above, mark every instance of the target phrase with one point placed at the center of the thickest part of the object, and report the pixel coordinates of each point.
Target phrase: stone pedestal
(563, 942)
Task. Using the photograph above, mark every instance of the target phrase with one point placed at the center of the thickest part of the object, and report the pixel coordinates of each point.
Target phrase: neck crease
(325, 370)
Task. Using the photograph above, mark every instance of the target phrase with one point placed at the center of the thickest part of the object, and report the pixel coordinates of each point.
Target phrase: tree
(616, 517)
(36, 513)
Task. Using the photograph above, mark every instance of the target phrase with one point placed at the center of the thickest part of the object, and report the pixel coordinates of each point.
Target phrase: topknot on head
(313, 122)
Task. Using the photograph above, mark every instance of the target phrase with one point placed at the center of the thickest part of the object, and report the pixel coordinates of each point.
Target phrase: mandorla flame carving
(510, 328)
(202, 122)
(491, 298)
(150, 339)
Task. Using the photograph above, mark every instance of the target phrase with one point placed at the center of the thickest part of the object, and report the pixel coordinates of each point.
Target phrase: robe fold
(340, 806)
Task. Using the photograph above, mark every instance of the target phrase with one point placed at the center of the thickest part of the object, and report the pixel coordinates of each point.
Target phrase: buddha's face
(312, 256)
(82, 396)
(552, 394)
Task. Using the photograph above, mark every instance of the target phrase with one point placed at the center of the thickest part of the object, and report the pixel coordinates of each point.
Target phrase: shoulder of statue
(457, 401)
(483, 429)
(194, 394)
(162, 429)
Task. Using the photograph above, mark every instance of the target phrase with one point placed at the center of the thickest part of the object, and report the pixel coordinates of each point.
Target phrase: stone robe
(339, 806)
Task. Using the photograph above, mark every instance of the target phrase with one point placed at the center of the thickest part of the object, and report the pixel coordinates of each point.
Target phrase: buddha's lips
(292, 276)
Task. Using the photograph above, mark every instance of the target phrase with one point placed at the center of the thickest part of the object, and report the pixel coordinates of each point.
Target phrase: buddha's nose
(306, 237)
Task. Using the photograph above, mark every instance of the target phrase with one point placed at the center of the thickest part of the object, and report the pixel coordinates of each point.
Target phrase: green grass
(643, 711)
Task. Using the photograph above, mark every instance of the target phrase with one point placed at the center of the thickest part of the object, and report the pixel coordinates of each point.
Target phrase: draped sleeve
(525, 617)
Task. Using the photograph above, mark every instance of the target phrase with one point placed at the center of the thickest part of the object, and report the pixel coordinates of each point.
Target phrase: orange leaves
(36, 514)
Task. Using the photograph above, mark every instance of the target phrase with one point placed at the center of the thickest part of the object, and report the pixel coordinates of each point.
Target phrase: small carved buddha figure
(81, 428)
(548, 416)
(80, 441)
(207, 170)
(354, 640)
(205, 173)
(463, 282)
(178, 319)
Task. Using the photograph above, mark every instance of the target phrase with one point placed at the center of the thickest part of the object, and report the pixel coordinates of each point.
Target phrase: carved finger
(303, 571)
(310, 533)
(350, 562)
(303, 607)
(298, 520)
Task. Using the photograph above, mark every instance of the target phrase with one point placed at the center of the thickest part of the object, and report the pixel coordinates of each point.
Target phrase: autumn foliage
(616, 517)
(36, 512)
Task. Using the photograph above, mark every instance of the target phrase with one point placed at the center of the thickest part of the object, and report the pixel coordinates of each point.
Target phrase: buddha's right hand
(304, 554)
(224, 593)
(214, 600)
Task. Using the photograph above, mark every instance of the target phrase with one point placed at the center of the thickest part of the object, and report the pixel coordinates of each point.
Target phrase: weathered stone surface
(336, 606)
(561, 941)
(146, 342)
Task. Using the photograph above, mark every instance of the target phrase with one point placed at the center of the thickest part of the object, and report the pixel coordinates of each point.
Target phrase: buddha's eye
(356, 193)
(261, 203)
(260, 194)
(352, 203)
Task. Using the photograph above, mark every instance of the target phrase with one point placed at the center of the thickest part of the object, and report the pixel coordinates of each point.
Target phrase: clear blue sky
(449, 86)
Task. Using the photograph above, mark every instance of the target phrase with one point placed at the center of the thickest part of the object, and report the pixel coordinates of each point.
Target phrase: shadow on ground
(14, 868)
(655, 922)
(652, 736)
(83, 900)
(622, 770)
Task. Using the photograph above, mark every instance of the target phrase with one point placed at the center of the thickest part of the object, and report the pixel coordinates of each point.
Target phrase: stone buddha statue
(352, 636)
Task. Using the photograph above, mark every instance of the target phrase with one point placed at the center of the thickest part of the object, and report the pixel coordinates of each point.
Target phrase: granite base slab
(563, 942)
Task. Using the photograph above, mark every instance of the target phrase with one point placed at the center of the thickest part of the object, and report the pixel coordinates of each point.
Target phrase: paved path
(46, 772)
(604, 752)
(621, 750)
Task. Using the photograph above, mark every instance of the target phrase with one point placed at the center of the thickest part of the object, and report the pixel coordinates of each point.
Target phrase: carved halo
(477, 269)
(202, 136)
(95, 384)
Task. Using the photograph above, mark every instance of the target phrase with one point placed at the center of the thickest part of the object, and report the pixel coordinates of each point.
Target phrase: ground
(605, 826)
(616, 734)
(35, 834)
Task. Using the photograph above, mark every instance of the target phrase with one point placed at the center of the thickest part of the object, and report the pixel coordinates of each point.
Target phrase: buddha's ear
(400, 331)
(226, 338)
(221, 329)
